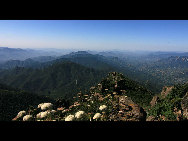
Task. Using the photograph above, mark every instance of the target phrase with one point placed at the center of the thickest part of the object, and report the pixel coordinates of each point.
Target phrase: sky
(148, 35)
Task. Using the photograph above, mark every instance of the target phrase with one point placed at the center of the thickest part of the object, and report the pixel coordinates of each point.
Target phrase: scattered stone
(150, 118)
(60, 109)
(166, 90)
(154, 101)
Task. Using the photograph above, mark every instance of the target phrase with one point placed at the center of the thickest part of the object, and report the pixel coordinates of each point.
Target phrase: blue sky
(155, 35)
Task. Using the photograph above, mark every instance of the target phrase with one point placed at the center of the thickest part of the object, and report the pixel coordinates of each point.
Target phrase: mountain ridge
(60, 75)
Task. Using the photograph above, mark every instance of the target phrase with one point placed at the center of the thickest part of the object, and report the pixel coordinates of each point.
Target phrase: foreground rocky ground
(108, 101)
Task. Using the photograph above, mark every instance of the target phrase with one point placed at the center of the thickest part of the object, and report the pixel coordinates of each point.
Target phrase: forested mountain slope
(61, 79)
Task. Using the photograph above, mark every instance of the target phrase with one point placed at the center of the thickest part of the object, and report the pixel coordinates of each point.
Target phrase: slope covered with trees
(170, 104)
(13, 100)
(125, 65)
(61, 79)
(98, 62)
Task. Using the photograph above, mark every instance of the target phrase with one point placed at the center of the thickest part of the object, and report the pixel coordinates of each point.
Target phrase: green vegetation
(165, 106)
(13, 100)
(61, 79)
(109, 64)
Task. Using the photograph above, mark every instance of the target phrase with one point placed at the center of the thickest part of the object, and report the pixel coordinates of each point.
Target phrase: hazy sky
(158, 35)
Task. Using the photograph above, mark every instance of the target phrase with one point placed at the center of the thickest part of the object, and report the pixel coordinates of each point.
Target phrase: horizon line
(80, 49)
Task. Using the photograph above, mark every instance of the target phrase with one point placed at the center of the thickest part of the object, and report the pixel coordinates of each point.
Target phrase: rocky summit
(106, 101)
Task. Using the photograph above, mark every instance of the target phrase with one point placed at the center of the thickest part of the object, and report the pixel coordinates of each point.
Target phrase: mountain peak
(79, 52)
(82, 52)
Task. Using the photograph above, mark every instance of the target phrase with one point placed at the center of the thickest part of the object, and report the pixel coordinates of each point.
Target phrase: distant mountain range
(170, 70)
(7, 54)
(16, 54)
(41, 76)
(141, 72)
(154, 70)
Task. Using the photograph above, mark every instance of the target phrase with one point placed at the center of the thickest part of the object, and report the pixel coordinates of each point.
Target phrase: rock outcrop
(154, 100)
(127, 110)
(150, 118)
(184, 105)
(166, 90)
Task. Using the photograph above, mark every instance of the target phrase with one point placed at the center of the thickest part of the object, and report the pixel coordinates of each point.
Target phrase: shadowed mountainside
(13, 100)
(61, 79)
